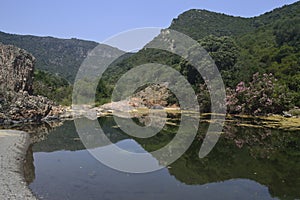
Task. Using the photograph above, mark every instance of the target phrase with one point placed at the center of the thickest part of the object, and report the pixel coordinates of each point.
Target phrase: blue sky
(97, 20)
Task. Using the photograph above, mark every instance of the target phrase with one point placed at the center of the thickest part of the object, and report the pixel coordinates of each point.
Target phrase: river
(246, 163)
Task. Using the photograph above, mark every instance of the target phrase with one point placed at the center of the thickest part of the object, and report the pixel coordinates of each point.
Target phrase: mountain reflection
(268, 157)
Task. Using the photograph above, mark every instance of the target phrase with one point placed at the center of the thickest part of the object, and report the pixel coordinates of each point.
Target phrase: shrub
(261, 96)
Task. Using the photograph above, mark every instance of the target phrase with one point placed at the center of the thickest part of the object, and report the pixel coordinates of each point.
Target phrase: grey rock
(16, 69)
(18, 105)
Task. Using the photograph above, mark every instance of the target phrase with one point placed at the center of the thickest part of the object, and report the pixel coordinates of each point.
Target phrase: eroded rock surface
(16, 69)
(17, 104)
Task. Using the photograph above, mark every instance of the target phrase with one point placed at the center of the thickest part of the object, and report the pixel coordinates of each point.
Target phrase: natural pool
(246, 163)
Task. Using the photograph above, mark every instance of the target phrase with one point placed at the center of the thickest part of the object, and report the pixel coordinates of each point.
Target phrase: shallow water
(246, 163)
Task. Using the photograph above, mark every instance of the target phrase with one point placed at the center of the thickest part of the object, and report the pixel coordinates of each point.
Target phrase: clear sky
(97, 19)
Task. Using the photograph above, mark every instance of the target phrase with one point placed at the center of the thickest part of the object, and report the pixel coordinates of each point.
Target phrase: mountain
(240, 47)
(58, 56)
(198, 23)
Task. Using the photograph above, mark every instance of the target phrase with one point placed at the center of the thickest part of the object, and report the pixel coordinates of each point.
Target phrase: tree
(288, 32)
(223, 50)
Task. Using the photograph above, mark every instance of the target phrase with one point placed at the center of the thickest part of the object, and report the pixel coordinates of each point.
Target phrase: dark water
(246, 163)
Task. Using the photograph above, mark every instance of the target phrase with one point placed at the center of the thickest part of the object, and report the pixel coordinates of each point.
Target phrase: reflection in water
(29, 172)
(246, 163)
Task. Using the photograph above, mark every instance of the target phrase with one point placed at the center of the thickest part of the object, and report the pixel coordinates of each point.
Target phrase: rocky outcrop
(17, 104)
(154, 96)
(16, 69)
(20, 107)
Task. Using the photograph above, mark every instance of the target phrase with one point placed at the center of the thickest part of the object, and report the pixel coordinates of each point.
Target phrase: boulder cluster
(17, 102)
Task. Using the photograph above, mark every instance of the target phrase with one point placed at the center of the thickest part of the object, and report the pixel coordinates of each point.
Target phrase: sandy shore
(13, 147)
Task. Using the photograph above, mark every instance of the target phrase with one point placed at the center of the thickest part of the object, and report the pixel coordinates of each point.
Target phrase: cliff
(16, 69)
(17, 104)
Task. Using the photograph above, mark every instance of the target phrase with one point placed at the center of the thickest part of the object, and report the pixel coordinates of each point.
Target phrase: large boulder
(154, 96)
(17, 104)
(16, 69)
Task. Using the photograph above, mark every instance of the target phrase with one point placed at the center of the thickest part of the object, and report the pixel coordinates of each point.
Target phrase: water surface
(246, 163)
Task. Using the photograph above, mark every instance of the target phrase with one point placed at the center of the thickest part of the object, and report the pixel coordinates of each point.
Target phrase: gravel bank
(13, 147)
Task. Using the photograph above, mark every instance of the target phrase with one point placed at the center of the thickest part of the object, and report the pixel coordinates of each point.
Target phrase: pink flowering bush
(261, 96)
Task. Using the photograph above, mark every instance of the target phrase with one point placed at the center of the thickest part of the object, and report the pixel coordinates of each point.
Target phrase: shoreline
(13, 148)
(273, 121)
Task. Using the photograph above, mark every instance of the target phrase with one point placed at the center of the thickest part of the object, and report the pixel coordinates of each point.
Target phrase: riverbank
(270, 122)
(13, 148)
(121, 109)
(14, 145)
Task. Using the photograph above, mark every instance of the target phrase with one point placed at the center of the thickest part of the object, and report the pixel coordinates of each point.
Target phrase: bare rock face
(17, 104)
(156, 95)
(22, 107)
(16, 69)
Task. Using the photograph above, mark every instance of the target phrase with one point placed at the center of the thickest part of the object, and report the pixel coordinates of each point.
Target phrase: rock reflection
(268, 157)
(29, 169)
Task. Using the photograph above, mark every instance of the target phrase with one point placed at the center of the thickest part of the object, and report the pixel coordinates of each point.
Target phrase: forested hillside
(241, 47)
(52, 86)
(258, 57)
(59, 56)
(201, 23)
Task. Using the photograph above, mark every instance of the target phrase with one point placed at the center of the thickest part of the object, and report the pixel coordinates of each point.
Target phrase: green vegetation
(240, 47)
(58, 56)
(201, 23)
(261, 97)
(52, 86)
